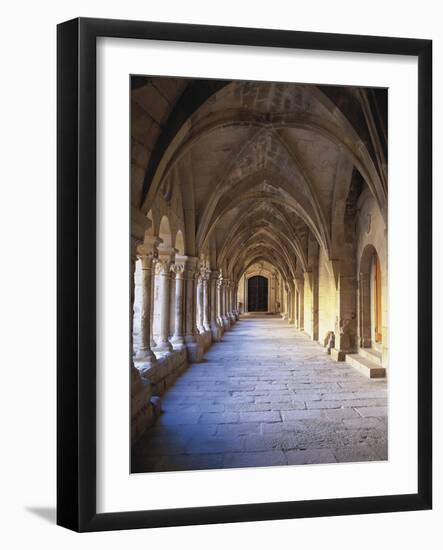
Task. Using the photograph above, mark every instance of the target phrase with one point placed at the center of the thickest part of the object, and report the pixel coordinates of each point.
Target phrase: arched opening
(376, 299)
(164, 232)
(179, 243)
(370, 299)
(258, 293)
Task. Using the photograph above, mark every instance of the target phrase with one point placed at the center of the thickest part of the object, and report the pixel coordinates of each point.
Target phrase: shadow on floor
(46, 513)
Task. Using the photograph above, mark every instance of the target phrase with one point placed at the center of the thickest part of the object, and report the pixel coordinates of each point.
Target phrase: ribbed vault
(247, 161)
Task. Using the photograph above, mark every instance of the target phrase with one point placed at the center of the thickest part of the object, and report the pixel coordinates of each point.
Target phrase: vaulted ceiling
(263, 169)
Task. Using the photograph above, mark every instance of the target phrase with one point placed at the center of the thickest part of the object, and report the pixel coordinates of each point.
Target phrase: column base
(217, 334)
(226, 323)
(163, 347)
(338, 355)
(177, 342)
(194, 352)
(145, 356)
(205, 340)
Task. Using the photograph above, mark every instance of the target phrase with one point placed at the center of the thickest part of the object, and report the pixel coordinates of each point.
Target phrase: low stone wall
(143, 413)
(166, 370)
(148, 384)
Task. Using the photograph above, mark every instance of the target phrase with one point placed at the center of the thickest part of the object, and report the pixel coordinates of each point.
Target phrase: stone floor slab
(266, 396)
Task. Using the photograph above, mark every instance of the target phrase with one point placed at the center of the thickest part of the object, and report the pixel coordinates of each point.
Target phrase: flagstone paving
(266, 396)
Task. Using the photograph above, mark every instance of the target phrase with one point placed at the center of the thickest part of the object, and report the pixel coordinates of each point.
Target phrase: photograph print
(258, 274)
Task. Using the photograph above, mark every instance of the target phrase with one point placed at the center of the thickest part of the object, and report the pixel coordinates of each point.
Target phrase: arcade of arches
(257, 207)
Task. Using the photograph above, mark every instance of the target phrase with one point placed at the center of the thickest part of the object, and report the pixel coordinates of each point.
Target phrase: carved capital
(178, 269)
(148, 249)
(162, 266)
(204, 274)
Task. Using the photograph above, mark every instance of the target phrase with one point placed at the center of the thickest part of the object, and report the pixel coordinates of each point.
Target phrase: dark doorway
(258, 293)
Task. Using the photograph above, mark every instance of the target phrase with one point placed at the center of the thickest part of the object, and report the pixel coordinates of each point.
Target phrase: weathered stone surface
(251, 459)
(317, 456)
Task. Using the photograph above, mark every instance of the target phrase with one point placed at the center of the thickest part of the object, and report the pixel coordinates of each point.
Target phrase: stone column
(217, 334)
(292, 303)
(200, 327)
(346, 333)
(178, 267)
(313, 280)
(193, 347)
(206, 301)
(163, 269)
(235, 302)
(142, 411)
(225, 318)
(285, 291)
(231, 301)
(145, 353)
(299, 285)
(274, 293)
(220, 302)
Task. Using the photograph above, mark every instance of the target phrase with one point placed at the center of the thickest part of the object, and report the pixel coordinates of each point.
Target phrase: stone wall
(371, 232)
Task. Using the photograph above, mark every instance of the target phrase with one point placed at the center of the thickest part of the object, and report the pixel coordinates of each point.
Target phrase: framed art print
(244, 274)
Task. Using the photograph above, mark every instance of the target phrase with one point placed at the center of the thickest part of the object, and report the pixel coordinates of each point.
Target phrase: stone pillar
(178, 267)
(220, 302)
(200, 327)
(273, 281)
(193, 348)
(293, 304)
(225, 318)
(233, 302)
(145, 353)
(301, 308)
(315, 302)
(142, 411)
(285, 302)
(346, 334)
(216, 331)
(289, 305)
(206, 301)
(163, 271)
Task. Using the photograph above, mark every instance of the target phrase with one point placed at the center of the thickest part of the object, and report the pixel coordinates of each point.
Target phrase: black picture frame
(76, 281)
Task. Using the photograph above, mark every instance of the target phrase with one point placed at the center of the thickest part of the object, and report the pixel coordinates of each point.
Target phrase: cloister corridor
(266, 395)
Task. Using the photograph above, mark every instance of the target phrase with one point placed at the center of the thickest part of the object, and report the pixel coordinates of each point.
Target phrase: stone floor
(266, 396)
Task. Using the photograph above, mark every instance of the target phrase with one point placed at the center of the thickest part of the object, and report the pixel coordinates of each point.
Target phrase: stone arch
(258, 266)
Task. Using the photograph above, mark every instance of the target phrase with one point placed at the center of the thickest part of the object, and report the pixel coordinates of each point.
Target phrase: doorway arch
(370, 299)
(258, 293)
